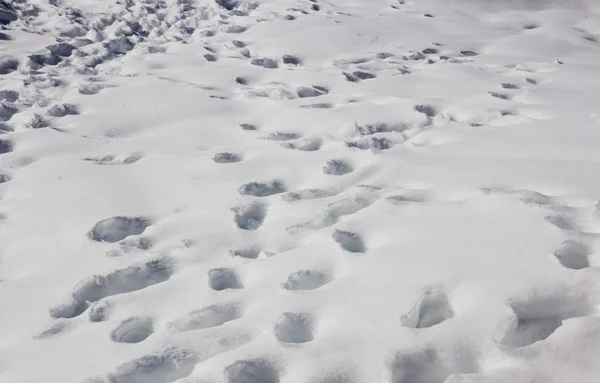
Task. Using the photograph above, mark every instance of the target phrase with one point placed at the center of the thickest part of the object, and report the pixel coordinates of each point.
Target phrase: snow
(262, 191)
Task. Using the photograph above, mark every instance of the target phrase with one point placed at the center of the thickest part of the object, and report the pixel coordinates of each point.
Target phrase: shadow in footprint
(111, 160)
(97, 287)
(226, 158)
(224, 279)
(282, 136)
(262, 189)
(306, 280)
(250, 252)
(313, 91)
(6, 146)
(62, 110)
(431, 309)
(294, 328)
(309, 194)
(349, 241)
(252, 371)
(207, 317)
(421, 367)
(573, 254)
(57, 328)
(429, 365)
(338, 167)
(561, 222)
(537, 317)
(118, 228)
(164, 367)
(99, 311)
(133, 330)
(250, 216)
(309, 144)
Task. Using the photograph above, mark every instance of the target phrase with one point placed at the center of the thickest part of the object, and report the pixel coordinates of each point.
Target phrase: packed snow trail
(299, 191)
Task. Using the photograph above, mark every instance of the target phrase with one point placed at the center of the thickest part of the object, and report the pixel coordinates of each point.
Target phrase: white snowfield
(295, 191)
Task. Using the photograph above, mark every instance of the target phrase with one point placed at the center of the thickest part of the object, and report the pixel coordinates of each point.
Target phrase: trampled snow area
(295, 191)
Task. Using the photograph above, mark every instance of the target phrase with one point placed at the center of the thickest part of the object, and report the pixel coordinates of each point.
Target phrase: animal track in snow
(99, 311)
(6, 113)
(309, 194)
(97, 287)
(229, 5)
(428, 110)
(6, 146)
(338, 167)
(61, 49)
(8, 65)
(116, 160)
(431, 309)
(359, 75)
(116, 229)
(89, 89)
(351, 242)
(226, 158)
(133, 330)
(407, 197)
(334, 211)
(207, 317)
(529, 197)
(163, 367)
(250, 216)
(9, 95)
(262, 189)
(62, 110)
(250, 252)
(307, 280)
(318, 105)
(57, 328)
(313, 91)
(248, 127)
(373, 143)
(294, 328)
(538, 316)
(265, 63)
(292, 60)
(428, 365)
(224, 279)
(468, 53)
(38, 122)
(282, 136)
(308, 144)
(561, 222)
(252, 371)
(501, 96)
(573, 254)
(509, 86)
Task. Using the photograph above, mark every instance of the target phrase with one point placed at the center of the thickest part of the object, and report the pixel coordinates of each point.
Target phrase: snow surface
(324, 191)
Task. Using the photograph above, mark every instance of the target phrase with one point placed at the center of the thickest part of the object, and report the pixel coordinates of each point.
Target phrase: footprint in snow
(250, 216)
(118, 228)
(116, 160)
(431, 309)
(573, 254)
(224, 279)
(262, 189)
(536, 317)
(252, 371)
(97, 287)
(294, 328)
(307, 280)
(133, 330)
(207, 317)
